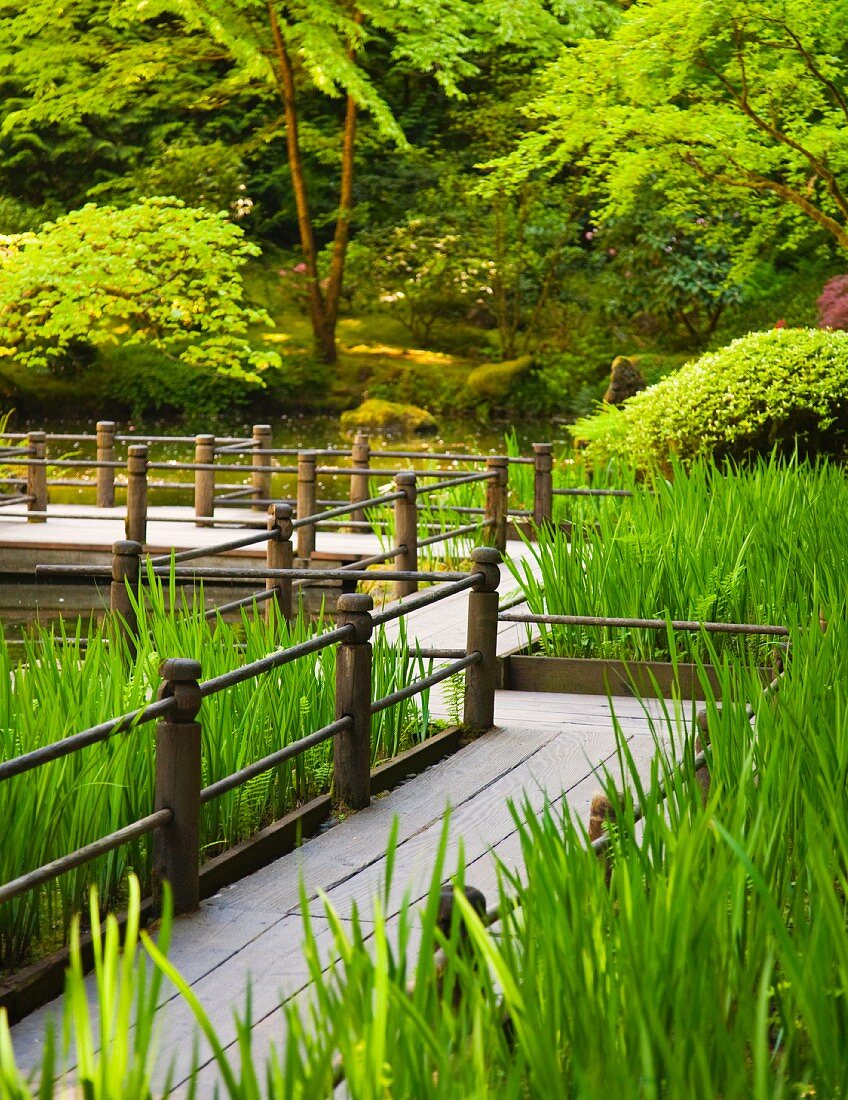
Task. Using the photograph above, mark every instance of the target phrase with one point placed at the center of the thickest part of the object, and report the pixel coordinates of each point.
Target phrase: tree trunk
(323, 324)
(342, 234)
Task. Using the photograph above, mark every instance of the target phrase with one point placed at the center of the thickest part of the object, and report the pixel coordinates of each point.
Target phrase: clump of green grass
(762, 545)
(58, 686)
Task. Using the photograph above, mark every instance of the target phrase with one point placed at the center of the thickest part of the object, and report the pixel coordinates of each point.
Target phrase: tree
(91, 56)
(313, 64)
(157, 272)
(701, 100)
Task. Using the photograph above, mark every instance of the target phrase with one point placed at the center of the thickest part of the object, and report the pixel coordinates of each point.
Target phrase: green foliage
(421, 274)
(157, 273)
(782, 388)
(730, 102)
(763, 545)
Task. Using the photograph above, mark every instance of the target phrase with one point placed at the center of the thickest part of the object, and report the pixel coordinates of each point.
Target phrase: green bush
(785, 389)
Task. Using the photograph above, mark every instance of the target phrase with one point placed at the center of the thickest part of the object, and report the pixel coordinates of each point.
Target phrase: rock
(494, 382)
(389, 418)
(625, 380)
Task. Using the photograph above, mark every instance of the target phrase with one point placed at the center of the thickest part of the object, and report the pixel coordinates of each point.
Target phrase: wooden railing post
(543, 461)
(136, 521)
(481, 679)
(37, 475)
(176, 847)
(602, 818)
(279, 555)
(497, 488)
(702, 742)
(126, 568)
(306, 505)
(204, 480)
(360, 458)
(259, 480)
(105, 453)
(352, 747)
(406, 531)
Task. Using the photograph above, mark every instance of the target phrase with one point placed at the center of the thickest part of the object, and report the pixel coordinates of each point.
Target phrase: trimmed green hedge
(785, 389)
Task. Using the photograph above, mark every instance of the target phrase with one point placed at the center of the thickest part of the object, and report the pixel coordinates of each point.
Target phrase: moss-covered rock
(494, 382)
(389, 418)
(626, 380)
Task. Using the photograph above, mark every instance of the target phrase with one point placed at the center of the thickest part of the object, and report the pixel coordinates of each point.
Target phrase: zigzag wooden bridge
(538, 746)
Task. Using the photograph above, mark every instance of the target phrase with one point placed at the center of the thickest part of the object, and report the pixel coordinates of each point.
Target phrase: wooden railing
(174, 822)
(142, 475)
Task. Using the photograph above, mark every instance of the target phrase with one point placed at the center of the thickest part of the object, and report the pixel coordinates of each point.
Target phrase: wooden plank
(602, 677)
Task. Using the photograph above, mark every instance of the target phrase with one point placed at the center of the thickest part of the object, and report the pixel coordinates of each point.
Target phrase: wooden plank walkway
(544, 748)
(250, 933)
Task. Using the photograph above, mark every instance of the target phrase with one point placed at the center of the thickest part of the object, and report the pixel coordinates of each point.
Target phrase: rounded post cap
(280, 511)
(204, 437)
(105, 425)
(356, 603)
(497, 460)
(261, 429)
(180, 670)
(486, 555)
(543, 448)
(137, 450)
(127, 547)
(405, 477)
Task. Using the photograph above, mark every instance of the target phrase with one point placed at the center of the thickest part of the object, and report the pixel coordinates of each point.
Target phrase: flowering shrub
(786, 386)
(833, 303)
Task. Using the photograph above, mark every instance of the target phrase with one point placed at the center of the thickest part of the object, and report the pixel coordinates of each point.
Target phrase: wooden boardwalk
(544, 748)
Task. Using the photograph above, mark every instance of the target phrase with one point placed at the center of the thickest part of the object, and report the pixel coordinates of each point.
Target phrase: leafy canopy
(702, 98)
(157, 272)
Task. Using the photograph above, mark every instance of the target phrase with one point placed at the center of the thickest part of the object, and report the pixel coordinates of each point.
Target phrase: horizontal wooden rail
(18, 765)
(218, 548)
(648, 624)
(259, 767)
(81, 856)
(246, 601)
(417, 686)
(413, 603)
(454, 533)
(576, 492)
(449, 483)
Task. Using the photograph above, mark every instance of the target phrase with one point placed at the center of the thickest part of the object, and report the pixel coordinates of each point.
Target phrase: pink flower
(299, 269)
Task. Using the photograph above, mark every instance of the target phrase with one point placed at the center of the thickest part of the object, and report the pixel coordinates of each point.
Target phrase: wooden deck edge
(35, 985)
(595, 676)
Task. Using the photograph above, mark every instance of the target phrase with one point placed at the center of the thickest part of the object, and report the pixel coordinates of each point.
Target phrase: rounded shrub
(783, 389)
